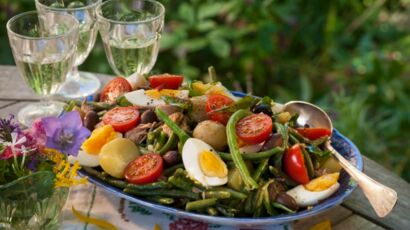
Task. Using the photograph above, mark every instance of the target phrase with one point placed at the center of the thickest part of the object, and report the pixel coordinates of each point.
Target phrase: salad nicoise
(197, 147)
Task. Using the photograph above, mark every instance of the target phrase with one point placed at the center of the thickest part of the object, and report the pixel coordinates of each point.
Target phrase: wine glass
(77, 84)
(131, 30)
(43, 47)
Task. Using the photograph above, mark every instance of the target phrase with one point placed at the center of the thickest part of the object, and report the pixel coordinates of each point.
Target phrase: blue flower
(65, 133)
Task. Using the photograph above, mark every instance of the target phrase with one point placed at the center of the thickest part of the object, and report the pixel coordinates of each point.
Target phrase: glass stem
(74, 74)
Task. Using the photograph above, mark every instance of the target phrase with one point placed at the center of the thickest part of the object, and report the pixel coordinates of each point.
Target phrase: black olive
(274, 189)
(286, 200)
(148, 116)
(171, 158)
(91, 119)
(262, 108)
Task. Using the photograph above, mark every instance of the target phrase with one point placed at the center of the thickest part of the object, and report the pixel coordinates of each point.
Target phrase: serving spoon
(381, 197)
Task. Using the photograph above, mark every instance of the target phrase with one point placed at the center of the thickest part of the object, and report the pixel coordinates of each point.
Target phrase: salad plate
(342, 144)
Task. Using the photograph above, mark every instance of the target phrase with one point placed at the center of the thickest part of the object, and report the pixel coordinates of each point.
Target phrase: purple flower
(65, 133)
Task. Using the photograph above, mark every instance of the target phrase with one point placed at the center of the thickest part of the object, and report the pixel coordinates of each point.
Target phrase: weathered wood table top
(354, 213)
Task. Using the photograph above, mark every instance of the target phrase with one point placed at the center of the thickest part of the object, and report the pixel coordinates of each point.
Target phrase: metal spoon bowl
(381, 197)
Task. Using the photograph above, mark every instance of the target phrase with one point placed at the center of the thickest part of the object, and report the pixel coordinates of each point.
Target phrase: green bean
(226, 211)
(212, 211)
(172, 140)
(174, 193)
(180, 183)
(217, 194)
(162, 200)
(161, 140)
(263, 165)
(236, 154)
(151, 186)
(308, 162)
(117, 183)
(101, 113)
(182, 135)
(234, 194)
(95, 172)
(248, 203)
(172, 169)
(284, 132)
(253, 156)
(200, 204)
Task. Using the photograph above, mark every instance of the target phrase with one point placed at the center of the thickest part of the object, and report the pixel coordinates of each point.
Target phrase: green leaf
(206, 25)
(305, 88)
(194, 44)
(186, 13)
(220, 47)
(209, 10)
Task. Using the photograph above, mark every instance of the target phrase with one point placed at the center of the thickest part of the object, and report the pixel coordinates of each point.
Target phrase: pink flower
(38, 133)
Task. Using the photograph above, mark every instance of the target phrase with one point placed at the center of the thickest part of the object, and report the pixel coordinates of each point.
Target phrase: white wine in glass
(77, 84)
(44, 51)
(131, 30)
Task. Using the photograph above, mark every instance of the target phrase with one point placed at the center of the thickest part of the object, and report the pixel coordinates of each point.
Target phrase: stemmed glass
(131, 30)
(43, 47)
(77, 84)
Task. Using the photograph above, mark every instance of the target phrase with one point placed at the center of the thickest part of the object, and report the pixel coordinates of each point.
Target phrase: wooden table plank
(399, 217)
(6, 103)
(334, 215)
(356, 222)
(13, 108)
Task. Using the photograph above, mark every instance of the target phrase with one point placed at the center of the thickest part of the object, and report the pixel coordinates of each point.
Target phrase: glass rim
(100, 16)
(15, 17)
(94, 4)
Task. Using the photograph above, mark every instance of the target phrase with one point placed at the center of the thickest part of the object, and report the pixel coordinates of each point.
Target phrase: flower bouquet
(35, 174)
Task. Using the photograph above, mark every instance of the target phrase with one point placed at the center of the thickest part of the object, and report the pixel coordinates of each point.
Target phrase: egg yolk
(322, 183)
(99, 137)
(211, 165)
(156, 94)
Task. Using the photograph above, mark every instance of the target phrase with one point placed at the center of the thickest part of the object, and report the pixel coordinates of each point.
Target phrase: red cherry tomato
(145, 169)
(166, 81)
(217, 101)
(122, 119)
(116, 87)
(294, 165)
(313, 133)
(254, 128)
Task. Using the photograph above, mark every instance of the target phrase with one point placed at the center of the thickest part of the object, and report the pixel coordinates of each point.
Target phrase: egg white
(190, 157)
(304, 197)
(139, 98)
(85, 159)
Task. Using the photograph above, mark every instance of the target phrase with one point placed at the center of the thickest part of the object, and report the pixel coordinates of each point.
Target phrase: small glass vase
(31, 202)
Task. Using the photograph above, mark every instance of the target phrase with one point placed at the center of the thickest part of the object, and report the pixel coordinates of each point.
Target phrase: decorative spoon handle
(381, 197)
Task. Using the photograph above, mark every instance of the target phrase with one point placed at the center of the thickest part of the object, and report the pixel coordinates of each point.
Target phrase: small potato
(116, 155)
(213, 133)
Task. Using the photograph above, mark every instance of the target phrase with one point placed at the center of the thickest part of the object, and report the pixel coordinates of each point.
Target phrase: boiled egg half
(152, 97)
(203, 164)
(316, 190)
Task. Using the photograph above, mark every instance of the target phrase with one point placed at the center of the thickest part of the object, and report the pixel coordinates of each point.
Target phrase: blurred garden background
(351, 57)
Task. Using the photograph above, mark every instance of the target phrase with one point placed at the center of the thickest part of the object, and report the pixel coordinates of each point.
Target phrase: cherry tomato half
(122, 119)
(116, 87)
(217, 101)
(145, 169)
(313, 133)
(166, 81)
(254, 128)
(294, 165)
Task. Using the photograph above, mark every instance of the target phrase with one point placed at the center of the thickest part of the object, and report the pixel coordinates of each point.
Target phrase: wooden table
(354, 213)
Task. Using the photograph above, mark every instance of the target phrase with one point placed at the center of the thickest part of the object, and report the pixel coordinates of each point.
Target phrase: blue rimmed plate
(343, 145)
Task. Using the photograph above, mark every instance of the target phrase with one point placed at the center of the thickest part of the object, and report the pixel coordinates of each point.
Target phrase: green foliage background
(349, 56)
